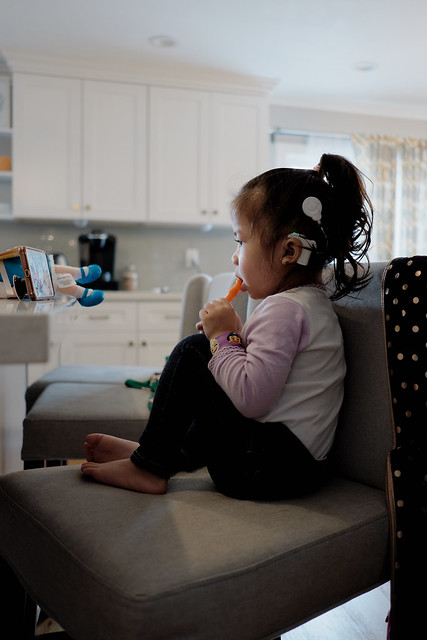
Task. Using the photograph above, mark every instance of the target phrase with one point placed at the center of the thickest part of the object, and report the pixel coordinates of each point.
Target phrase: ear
(291, 250)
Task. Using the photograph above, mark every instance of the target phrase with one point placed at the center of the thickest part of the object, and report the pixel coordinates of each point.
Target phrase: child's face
(262, 274)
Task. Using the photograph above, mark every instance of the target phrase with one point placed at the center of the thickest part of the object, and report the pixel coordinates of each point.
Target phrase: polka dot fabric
(405, 322)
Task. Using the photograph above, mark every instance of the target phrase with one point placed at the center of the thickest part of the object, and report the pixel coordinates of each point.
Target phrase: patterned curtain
(397, 167)
(412, 234)
(376, 156)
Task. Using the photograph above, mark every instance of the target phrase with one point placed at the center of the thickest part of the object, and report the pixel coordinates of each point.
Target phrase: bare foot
(126, 475)
(100, 447)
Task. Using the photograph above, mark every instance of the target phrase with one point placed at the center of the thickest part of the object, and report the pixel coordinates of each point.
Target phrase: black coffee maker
(99, 248)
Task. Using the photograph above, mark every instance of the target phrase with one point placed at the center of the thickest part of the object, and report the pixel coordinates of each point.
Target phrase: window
(303, 150)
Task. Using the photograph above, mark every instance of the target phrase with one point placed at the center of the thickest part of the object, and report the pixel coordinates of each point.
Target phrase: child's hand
(218, 317)
(199, 326)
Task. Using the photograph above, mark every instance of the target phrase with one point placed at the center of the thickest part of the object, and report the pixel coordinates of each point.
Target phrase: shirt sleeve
(254, 374)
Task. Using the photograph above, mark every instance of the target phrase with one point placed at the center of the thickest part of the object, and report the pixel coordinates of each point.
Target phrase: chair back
(364, 432)
(202, 288)
(193, 299)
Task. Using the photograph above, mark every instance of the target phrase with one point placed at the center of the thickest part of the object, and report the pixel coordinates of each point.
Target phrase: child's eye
(239, 242)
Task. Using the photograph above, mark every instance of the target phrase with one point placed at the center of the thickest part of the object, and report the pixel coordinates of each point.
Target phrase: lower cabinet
(121, 333)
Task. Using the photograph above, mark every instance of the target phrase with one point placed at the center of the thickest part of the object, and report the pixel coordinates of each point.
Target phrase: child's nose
(235, 258)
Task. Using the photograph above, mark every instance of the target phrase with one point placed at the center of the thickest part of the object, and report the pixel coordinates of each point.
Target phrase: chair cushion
(108, 374)
(191, 564)
(63, 415)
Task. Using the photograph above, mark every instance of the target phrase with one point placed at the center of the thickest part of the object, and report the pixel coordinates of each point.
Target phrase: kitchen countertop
(142, 296)
(25, 327)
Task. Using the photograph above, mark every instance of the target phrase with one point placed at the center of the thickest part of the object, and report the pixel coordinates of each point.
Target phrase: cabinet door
(239, 147)
(164, 316)
(158, 330)
(155, 348)
(203, 147)
(46, 147)
(114, 146)
(100, 349)
(179, 156)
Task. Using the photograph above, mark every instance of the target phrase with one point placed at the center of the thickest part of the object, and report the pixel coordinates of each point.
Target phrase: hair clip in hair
(307, 247)
(312, 207)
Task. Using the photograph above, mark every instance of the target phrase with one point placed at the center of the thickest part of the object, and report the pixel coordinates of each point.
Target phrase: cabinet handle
(99, 317)
(171, 317)
(203, 212)
(87, 207)
(131, 343)
(215, 212)
(143, 343)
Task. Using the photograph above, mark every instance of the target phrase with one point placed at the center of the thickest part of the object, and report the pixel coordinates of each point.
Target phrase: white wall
(158, 253)
(304, 119)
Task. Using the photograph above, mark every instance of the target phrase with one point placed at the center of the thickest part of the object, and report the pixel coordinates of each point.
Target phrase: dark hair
(272, 203)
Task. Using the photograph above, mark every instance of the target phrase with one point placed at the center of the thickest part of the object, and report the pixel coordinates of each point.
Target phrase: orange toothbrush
(234, 290)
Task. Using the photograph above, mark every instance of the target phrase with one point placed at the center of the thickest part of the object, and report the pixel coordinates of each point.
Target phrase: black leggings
(193, 423)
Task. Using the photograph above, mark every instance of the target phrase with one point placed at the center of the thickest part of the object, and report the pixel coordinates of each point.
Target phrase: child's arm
(253, 375)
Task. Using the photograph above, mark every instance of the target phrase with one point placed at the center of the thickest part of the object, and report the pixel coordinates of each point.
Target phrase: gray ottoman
(56, 426)
(108, 374)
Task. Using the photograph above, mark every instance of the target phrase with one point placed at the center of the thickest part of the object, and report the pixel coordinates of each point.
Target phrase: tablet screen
(38, 265)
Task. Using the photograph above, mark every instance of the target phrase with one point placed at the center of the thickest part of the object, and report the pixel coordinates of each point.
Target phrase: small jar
(130, 278)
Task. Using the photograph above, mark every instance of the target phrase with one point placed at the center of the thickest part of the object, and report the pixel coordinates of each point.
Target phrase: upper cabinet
(111, 151)
(114, 151)
(79, 149)
(203, 147)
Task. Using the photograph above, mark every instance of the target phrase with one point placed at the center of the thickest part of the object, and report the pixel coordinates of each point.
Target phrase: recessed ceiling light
(365, 66)
(161, 41)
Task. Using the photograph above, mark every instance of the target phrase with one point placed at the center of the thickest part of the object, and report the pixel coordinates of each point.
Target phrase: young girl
(258, 404)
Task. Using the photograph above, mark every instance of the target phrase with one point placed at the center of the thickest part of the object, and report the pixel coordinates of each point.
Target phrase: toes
(88, 468)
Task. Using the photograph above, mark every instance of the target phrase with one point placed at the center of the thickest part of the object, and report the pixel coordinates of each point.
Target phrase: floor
(360, 619)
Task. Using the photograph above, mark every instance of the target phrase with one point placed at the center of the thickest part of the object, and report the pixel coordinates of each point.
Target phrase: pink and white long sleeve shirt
(290, 367)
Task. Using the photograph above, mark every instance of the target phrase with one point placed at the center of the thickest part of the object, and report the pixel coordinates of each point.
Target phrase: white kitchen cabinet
(108, 317)
(114, 151)
(158, 331)
(129, 333)
(203, 147)
(179, 171)
(101, 348)
(105, 334)
(79, 149)
(239, 147)
(115, 332)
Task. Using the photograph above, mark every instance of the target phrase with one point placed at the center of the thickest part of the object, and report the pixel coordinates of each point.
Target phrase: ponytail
(347, 223)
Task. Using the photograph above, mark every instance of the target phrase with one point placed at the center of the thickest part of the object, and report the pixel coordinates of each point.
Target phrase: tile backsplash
(157, 252)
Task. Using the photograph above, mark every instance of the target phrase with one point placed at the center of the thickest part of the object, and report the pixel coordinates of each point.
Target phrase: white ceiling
(310, 47)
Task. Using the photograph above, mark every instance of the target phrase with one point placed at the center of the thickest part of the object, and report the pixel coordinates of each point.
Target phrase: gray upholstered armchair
(195, 564)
